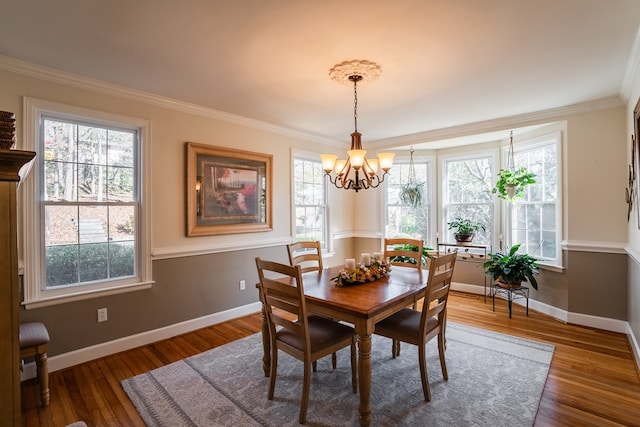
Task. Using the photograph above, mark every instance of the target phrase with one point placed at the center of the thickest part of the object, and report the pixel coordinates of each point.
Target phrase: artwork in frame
(635, 161)
(228, 190)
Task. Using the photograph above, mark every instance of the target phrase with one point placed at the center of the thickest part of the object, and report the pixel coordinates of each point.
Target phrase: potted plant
(510, 269)
(511, 183)
(411, 194)
(465, 229)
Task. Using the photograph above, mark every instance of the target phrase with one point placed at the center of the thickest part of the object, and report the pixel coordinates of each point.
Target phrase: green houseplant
(511, 183)
(425, 254)
(464, 229)
(510, 268)
(411, 192)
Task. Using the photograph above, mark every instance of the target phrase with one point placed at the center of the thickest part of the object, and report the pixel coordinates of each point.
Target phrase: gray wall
(185, 288)
(598, 284)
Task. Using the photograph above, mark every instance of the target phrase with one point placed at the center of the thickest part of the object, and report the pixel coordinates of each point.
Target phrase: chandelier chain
(355, 78)
(511, 164)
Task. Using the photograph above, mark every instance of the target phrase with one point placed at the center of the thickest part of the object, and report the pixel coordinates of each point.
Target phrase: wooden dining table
(361, 305)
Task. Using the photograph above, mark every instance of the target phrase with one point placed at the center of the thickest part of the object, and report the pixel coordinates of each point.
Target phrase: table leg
(266, 345)
(364, 378)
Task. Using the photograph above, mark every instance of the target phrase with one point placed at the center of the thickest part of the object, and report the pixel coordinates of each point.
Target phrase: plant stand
(467, 253)
(511, 294)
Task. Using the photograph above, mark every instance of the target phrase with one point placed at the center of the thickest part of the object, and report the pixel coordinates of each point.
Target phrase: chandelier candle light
(356, 71)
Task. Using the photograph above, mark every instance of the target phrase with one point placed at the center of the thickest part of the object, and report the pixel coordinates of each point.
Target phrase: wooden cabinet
(10, 163)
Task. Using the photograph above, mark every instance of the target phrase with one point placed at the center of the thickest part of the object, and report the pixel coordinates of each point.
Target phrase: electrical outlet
(242, 285)
(102, 315)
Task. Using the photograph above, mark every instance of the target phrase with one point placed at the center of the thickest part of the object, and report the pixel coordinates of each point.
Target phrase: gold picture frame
(228, 190)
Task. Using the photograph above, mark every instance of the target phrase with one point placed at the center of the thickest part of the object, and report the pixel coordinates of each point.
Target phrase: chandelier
(356, 172)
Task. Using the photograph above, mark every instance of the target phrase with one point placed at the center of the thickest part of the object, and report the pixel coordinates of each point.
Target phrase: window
(309, 200)
(534, 221)
(403, 220)
(89, 217)
(467, 184)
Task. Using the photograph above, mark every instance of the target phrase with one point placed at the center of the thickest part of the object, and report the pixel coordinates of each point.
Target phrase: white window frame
(444, 159)
(35, 294)
(431, 190)
(525, 145)
(313, 157)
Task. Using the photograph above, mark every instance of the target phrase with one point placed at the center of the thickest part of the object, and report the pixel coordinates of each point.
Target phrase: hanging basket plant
(511, 181)
(411, 192)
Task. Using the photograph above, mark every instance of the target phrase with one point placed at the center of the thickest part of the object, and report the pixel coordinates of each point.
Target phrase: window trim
(34, 294)
(556, 137)
(430, 161)
(314, 157)
(494, 155)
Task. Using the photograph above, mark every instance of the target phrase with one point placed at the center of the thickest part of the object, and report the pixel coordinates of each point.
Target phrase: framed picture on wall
(228, 190)
(635, 161)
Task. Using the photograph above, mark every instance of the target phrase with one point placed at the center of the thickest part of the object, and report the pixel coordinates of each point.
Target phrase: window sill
(46, 302)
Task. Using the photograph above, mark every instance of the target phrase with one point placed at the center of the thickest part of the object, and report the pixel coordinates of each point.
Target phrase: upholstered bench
(34, 338)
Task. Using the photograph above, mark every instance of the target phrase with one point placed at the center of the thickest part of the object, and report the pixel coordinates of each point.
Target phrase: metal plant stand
(511, 294)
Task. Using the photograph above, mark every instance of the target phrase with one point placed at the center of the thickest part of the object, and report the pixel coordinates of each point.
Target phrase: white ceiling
(444, 62)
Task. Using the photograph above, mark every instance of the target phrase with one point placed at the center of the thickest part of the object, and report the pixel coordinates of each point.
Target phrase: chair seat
(404, 325)
(33, 334)
(323, 332)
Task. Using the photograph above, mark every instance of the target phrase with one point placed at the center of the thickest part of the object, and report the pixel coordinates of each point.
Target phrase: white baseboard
(607, 324)
(604, 323)
(634, 346)
(86, 354)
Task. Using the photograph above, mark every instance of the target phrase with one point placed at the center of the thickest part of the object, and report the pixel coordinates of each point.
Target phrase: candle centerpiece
(369, 269)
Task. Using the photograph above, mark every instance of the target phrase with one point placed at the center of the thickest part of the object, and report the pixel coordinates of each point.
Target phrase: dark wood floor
(593, 379)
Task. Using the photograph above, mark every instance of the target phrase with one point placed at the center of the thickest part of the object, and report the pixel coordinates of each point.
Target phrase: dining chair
(309, 256)
(406, 252)
(307, 338)
(419, 327)
(306, 254)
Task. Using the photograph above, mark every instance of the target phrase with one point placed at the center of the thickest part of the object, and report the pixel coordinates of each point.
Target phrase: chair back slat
(438, 286)
(411, 248)
(287, 298)
(307, 255)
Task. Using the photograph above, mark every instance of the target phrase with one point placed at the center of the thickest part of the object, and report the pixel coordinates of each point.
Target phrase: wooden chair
(306, 254)
(406, 257)
(34, 339)
(307, 338)
(410, 255)
(419, 327)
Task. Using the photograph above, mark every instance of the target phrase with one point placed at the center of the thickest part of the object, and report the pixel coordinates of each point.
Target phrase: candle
(377, 255)
(365, 258)
(350, 264)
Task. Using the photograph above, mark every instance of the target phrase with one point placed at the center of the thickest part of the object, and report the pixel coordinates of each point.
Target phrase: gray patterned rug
(494, 380)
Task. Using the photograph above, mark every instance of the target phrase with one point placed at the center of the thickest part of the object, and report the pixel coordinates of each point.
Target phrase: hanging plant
(411, 192)
(511, 181)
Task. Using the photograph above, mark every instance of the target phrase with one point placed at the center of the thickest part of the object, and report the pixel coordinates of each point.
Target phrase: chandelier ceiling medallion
(344, 177)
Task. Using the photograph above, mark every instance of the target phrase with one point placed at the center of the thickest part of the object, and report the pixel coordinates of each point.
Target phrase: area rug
(494, 380)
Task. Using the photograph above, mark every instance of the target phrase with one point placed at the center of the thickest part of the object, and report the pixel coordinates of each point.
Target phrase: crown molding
(525, 119)
(62, 77)
(632, 73)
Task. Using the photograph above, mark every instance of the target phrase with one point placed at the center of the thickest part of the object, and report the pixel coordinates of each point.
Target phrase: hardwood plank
(593, 380)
